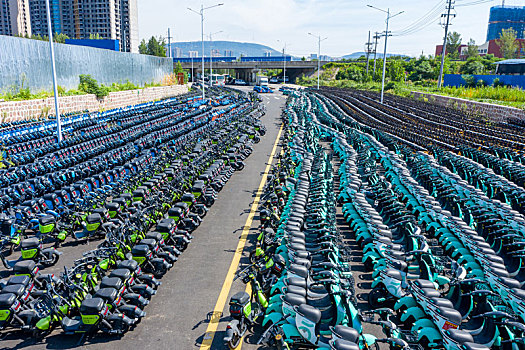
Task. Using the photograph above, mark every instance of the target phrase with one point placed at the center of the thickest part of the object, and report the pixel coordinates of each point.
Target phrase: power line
(427, 19)
(477, 2)
(450, 7)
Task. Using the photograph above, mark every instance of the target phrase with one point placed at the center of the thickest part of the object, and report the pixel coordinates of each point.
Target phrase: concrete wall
(17, 110)
(494, 112)
(26, 62)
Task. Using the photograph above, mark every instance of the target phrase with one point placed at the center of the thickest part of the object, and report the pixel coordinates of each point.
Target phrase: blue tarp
(512, 80)
(108, 44)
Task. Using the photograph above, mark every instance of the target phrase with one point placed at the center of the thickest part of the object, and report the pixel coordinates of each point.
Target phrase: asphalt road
(178, 316)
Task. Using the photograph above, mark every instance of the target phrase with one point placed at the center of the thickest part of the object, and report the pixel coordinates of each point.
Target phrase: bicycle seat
(30, 243)
(510, 282)
(123, 274)
(25, 267)
(458, 336)
(111, 282)
(108, 294)
(395, 274)
(6, 300)
(309, 312)
(131, 265)
(47, 220)
(94, 218)
(341, 344)
(23, 280)
(441, 302)
(346, 333)
(17, 289)
(92, 306)
(293, 299)
(421, 283)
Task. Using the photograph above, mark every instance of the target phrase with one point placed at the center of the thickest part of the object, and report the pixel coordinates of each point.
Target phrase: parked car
(240, 82)
(273, 80)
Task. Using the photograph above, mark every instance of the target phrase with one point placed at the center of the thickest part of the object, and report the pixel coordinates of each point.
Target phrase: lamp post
(284, 62)
(54, 72)
(388, 16)
(211, 57)
(318, 57)
(201, 13)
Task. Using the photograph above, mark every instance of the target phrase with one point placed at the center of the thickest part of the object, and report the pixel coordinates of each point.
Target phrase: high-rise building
(15, 18)
(39, 16)
(177, 52)
(506, 17)
(78, 19)
(193, 53)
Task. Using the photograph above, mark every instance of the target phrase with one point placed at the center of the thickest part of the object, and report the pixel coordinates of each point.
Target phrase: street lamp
(54, 72)
(284, 60)
(318, 57)
(211, 55)
(388, 16)
(201, 13)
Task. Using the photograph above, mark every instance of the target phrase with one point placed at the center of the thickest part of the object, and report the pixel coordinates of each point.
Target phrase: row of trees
(508, 44)
(57, 37)
(415, 69)
(154, 46)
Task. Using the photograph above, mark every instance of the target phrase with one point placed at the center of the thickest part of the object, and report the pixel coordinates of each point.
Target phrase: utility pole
(53, 72)
(368, 51)
(201, 13)
(377, 36)
(169, 43)
(318, 58)
(284, 60)
(450, 7)
(211, 56)
(387, 34)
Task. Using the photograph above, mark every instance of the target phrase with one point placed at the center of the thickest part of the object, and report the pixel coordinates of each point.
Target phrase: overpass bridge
(249, 70)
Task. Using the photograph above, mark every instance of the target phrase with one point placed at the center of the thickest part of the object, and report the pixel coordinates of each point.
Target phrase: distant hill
(379, 55)
(237, 48)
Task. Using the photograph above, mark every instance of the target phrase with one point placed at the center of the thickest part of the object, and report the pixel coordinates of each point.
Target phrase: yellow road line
(225, 291)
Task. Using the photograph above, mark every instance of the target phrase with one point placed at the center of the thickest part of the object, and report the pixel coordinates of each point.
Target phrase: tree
(453, 44)
(473, 66)
(143, 47)
(156, 47)
(507, 43)
(178, 68)
(472, 50)
(353, 72)
(396, 70)
(60, 38)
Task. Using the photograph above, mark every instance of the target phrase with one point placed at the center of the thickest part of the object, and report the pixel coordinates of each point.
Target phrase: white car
(240, 82)
(274, 80)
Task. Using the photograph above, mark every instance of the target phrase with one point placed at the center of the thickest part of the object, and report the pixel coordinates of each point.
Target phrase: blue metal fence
(512, 80)
(25, 62)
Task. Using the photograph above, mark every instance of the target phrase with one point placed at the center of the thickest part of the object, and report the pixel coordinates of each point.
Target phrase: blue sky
(345, 22)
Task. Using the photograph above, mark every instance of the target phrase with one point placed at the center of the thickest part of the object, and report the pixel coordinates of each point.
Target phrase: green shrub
(89, 85)
(497, 83)
(470, 80)
(481, 83)
(390, 86)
